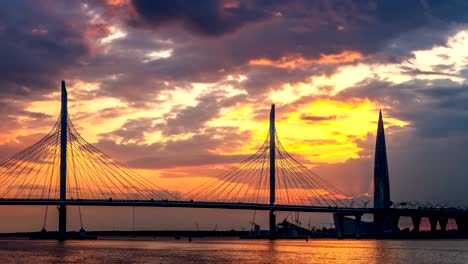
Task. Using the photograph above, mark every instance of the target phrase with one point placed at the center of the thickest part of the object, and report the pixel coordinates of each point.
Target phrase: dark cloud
(192, 118)
(133, 130)
(262, 79)
(414, 71)
(434, 108)
(205, 17)
(196, 150)
(112, 112)
(317, 118)
(428, 169)
(386, 31)
(304, 28)
(38, 43)
(59, 39)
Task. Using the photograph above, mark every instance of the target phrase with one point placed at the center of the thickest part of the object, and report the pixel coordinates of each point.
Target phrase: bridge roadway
(350, 211)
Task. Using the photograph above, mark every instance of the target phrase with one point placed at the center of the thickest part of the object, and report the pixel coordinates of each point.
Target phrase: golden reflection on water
(203, 250)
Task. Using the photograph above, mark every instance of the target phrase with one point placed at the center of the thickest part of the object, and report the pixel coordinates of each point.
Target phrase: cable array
(249, 182)
(34, 173)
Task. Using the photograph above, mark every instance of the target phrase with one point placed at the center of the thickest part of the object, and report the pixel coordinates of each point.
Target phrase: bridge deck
(440, 212)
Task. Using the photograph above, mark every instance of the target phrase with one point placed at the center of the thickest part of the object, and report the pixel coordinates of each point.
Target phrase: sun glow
(320, 131)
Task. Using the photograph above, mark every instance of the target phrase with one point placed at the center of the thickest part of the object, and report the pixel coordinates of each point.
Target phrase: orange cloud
(344, 56)
(232, 4)
(295, 61)
(98, 30)
(117, 2)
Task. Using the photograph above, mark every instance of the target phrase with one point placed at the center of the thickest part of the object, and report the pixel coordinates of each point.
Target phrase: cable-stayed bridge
(63, 169)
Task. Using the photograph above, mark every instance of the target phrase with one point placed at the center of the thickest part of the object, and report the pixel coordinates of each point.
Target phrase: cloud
(191, 119)
(66, 42)
(196, 150)
(317, 118)
(434, 108)
(345, 56)
(205, 17)
(132, 130)
(38, 46)
(9, 148)
(438, 72)
(16, 118)
(300, 33)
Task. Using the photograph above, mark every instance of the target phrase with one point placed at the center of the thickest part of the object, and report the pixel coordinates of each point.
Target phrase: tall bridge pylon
(63, 161)
(272, 132)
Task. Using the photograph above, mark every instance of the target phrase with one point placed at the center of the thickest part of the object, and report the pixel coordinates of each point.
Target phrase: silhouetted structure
(63, 162)
(272, 170)
(353, 227)
(381, 178)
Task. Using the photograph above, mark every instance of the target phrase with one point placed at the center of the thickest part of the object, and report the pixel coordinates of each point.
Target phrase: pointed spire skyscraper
(381, 179)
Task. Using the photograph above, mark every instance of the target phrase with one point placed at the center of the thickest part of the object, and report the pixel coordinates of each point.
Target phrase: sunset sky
(180, 90)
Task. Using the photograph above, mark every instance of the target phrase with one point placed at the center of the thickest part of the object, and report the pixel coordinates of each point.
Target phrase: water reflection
(236, 251)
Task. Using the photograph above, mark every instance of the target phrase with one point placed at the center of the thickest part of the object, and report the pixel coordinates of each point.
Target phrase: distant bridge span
(351, 211)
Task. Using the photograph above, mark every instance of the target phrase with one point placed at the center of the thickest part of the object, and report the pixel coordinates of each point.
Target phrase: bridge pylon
(63, 162)
(272, 215)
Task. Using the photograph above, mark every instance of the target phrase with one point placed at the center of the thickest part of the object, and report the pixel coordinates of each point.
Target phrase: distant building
(349, 226)
(289, 229)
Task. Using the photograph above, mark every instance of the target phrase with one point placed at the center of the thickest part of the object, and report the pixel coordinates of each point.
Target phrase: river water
(235, 251)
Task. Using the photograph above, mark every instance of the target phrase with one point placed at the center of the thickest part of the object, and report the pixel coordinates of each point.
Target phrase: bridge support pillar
(395, 220)
(416, 222)
(339, 225)
(379, 224)
(62, 221)
(433, 221)
(443, 224)
(461, 224)
(357, 226)
(272, 222)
